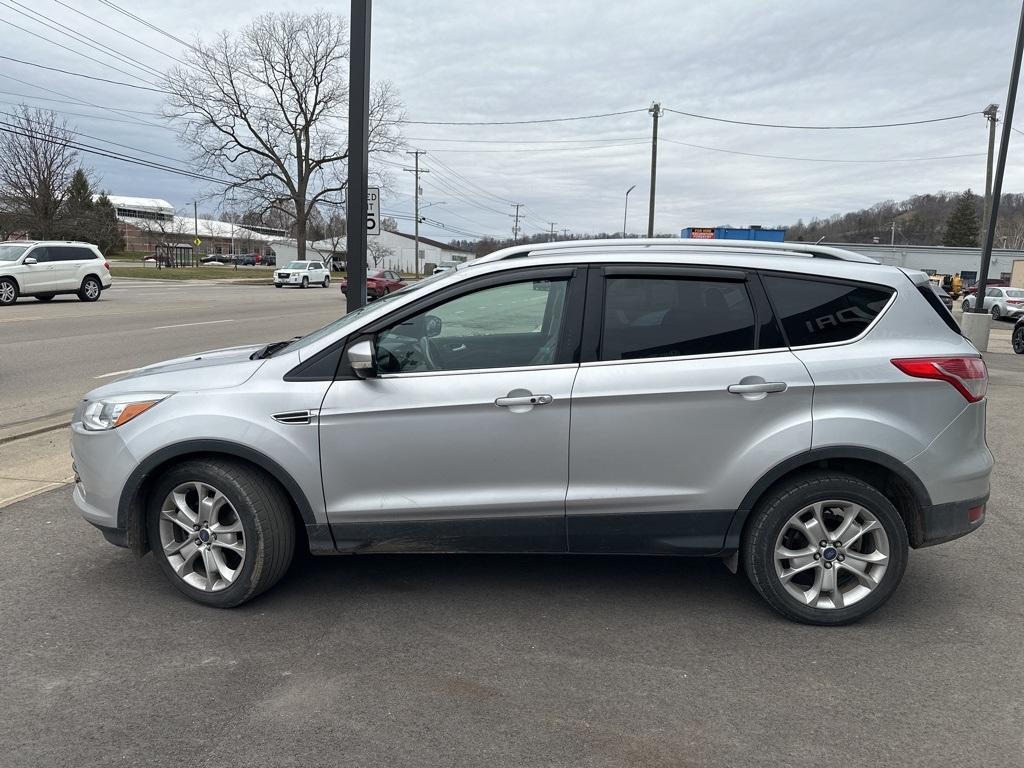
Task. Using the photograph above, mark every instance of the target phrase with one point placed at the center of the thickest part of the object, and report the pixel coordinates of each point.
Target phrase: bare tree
(265, 108)
(167, 232)
(378, 253)
(37, 163)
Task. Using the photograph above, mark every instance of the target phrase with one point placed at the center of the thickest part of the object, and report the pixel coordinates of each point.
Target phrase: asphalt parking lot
(411, 660)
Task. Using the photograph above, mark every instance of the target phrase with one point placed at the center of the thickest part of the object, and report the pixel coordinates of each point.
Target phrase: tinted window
(70, 253)
(671, 317)
(42, 255)
(501, 327)
(820, 312)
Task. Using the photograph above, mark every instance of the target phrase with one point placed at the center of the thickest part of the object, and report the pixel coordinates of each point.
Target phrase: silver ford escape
(802, 412)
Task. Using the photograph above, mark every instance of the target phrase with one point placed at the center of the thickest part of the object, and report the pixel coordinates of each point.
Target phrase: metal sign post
(358, 159)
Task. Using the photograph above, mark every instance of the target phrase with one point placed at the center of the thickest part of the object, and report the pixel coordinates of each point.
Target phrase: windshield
(354, 315)
(11, 252)
(1015, 293)
(297, 264)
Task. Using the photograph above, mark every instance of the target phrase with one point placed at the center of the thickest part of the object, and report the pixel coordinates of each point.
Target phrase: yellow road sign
(197, 242)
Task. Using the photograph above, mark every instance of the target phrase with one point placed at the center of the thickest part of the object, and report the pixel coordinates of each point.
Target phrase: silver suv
(801, 412)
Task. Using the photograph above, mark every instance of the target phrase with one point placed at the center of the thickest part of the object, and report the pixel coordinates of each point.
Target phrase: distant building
(735, 233)
(149, 223)
(397, 250)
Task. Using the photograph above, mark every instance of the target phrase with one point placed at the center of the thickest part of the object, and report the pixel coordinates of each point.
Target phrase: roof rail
(792, 249)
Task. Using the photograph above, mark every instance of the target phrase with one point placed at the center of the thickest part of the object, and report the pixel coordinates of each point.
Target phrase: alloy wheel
(201, 536)
(92, 289)
(831, 554)
(1018, 340)
(7, 292)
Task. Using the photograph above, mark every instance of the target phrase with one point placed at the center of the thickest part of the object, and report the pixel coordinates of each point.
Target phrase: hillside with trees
(942, 218)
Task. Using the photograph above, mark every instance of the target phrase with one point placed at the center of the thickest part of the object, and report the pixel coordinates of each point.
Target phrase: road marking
(117, 373)
(20, 319)
(186, 325)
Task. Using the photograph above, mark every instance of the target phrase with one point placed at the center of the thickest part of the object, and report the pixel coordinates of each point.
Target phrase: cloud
(789, 62)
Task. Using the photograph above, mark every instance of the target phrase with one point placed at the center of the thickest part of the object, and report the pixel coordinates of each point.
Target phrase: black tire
(305, 282)
(45, 296)
(8, 291)
(267, 525)
(966, 307)
(90, 290)
(327, 282)
(996, 314)
(772, 515)
(1018, 339)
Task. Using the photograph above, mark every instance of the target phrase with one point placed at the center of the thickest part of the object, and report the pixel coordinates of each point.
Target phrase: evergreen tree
(962, 224)
(87, 220)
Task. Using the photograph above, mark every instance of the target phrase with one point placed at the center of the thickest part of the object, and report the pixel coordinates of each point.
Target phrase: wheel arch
(131, 510)
(889, 475)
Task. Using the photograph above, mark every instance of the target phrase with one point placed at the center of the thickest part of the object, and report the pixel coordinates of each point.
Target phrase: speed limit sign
(373, 210)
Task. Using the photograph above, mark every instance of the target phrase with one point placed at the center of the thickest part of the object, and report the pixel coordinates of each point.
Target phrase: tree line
(45, 192)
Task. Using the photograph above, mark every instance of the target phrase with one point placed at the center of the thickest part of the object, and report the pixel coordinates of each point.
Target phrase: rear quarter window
(824, 311)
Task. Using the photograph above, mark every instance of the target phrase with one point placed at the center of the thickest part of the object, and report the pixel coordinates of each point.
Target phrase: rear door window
(824, 311)
(72, 253)
(650, 317)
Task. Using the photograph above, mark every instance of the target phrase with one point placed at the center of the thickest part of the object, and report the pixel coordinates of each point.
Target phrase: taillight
(968, 375)
(106, 265)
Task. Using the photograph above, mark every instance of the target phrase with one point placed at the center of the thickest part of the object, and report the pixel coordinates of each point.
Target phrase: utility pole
(991, 113)
(892, 235)
(515, 227)
(655, 111)
(195, 220)
(976, 327)
(565, 233)
(358, 154)
(416, 237)
(551, 239)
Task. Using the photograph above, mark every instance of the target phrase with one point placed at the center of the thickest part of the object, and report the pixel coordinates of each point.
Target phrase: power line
(645, 142)
(822, 127)
(118, 31)
(529, 141)
(149, 25)
(81, 114)
(69, 101)
(56, 26)
(87, 77)
(823, 159)
(517, 122)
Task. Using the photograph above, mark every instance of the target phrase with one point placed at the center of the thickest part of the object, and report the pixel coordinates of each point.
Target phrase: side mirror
(432, 326)
(30, 260)
(360, 357)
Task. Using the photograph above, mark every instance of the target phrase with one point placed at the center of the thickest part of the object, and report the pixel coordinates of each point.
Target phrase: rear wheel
(45, 296)
(90, 290)
(222, 531)
(826, 548)
(966, 306)
(8, 291)
(327, 281)
(996, 314)
(1018, 339)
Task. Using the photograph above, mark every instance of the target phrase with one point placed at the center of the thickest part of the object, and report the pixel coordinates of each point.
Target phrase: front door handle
(511, 402)
(758, 388)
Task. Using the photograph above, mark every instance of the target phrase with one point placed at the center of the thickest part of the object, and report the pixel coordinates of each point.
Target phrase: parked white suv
(302, 274)
(44, 269)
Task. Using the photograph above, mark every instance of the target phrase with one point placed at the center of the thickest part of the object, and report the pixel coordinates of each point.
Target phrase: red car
(380, 283)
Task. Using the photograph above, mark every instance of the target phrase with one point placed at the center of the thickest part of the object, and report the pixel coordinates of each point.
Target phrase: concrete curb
(33, 431)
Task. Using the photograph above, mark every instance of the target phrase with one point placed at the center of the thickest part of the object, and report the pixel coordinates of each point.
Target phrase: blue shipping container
(735, 233)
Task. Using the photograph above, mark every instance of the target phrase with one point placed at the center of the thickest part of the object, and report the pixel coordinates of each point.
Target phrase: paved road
(54, 353)
(510, 661)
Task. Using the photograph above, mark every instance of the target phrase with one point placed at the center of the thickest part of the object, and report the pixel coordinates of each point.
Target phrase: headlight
(112, 412)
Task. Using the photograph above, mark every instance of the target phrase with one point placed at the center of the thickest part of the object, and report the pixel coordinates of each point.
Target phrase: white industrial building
(939, 260)
(397, 251)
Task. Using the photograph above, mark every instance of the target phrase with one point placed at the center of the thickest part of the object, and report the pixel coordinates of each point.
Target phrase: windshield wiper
(269, 349)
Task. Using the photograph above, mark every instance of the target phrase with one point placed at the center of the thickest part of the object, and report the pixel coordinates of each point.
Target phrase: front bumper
(945, 522)
(291, 279)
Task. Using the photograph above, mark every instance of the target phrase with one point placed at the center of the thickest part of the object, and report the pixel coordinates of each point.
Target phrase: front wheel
(327, 282)
(221, 530)
(1018, 339)
(90, 290)
(305, 282)
(8, 292)
(826, 548)
(996, 314)
(966, 306)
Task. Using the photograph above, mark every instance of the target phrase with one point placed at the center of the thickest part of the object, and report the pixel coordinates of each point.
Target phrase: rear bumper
(945, 522)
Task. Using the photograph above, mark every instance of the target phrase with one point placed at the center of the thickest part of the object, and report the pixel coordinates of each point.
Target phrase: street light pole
(625, 210)
(358, 156)
(655, 111)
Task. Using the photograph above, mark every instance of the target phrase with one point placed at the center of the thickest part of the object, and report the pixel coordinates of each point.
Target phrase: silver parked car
(802, 412)
(1001, 302)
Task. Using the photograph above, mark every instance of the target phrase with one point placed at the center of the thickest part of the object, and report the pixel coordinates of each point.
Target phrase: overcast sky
(820, 63)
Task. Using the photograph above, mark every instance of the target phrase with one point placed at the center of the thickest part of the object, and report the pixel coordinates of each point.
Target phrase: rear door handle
(508, 402)
(753, 389)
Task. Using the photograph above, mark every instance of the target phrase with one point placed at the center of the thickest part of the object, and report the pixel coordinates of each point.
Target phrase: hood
(213, 369)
